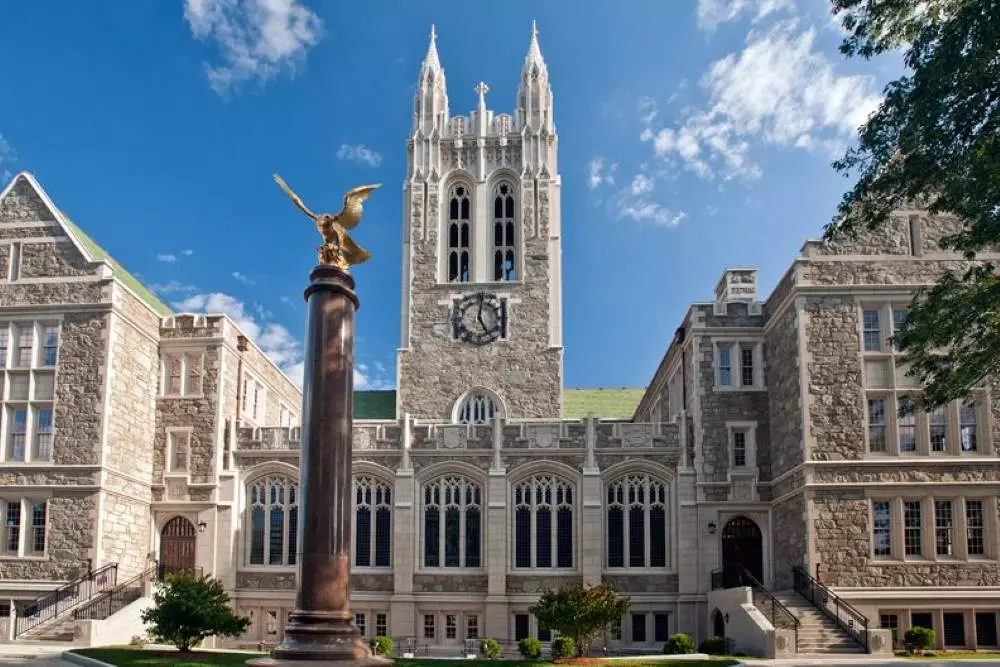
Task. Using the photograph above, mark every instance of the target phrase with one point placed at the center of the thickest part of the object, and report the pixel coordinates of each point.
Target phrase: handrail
(50, 606)
(855, 624)
(104, 604)
(733, 576)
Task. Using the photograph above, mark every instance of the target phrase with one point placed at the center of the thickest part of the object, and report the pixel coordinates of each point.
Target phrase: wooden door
(177, 546)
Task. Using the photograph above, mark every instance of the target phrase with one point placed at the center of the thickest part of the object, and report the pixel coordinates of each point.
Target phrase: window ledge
(548, 571)
(280, 569)
(450, 570)
(638, 571)
(722, 389)
(22, 559)
(372, 570)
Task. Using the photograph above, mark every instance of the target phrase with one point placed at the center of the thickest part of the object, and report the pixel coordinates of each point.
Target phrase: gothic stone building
(768, 436)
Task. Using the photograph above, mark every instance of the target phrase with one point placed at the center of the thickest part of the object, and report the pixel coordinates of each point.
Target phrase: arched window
(543, 522)
(372, 522)
(273, 508)
(637, 522)
(477, 408)
(453, 522)
(504, 222)
(459, 231)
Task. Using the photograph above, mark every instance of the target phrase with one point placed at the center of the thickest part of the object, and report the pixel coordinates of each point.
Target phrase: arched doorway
(177, 546)
(742, 545)
(718, 624)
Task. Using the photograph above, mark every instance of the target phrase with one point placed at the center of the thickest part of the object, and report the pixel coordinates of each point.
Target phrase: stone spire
(430, 103)
(534, 56)
(431, 60)
(534, 97)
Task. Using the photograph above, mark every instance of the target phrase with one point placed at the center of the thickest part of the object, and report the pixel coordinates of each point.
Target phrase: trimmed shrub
(716, 646)
(491, 649)
(563, 647)
(678, 643)
(381, 645)
(918, 639)
(530, 648)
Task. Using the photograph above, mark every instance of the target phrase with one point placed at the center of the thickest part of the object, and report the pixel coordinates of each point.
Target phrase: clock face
(479, 319)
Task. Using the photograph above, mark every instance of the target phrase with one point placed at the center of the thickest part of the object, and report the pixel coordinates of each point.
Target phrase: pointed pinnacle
(431, 60)
(534, 50)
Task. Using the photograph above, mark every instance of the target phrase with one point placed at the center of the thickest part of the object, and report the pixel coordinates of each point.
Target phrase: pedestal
(321, 629)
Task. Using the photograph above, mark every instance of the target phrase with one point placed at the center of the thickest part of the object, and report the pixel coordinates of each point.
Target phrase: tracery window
(543, 522)
(372, 522)
(273, 507)
(459, 231)
(477, 408)
(637, 522)
(453, 522)
(504, 254)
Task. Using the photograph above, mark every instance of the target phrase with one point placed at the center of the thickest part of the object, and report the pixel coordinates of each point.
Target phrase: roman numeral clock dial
(479, 319)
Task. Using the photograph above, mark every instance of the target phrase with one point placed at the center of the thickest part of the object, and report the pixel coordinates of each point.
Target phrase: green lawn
(125, 657)
(953, 655)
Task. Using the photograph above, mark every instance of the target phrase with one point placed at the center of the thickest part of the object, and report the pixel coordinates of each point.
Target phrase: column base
(277, 662)
(321, 638)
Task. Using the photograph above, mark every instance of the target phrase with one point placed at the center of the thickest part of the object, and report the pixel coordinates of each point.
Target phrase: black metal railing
(109, 602)
(847, 618)
(779, 615)
(49, 607)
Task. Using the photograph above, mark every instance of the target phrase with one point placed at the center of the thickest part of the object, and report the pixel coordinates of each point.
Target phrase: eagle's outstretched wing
(350, 216)
(353, 253)
(294, 197)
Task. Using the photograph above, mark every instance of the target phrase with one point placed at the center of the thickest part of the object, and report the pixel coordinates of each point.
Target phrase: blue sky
(694, 134)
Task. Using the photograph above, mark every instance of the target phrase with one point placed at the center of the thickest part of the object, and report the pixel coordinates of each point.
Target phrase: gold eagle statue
(338, 248)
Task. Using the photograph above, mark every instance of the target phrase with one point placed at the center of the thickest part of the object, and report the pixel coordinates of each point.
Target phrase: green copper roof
(98, 253)
(603, 403)
(375, 404)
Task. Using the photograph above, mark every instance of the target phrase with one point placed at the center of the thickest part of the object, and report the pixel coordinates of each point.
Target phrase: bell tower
(481, 333)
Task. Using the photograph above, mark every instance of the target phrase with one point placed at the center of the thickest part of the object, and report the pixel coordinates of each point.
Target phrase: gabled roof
(577, 403)
(88, 247)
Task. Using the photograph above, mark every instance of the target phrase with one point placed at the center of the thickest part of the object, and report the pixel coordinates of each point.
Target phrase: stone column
(496, 621)
(321, 629)
(591, 538)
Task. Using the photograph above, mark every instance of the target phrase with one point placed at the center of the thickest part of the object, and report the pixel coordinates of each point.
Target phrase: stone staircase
(818, 634)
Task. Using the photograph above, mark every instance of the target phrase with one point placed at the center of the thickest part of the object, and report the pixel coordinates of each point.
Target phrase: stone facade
(757, 444)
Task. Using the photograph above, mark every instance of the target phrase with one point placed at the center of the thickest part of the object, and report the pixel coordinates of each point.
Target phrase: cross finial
(534, 29)
(482, 89)
(433, 33)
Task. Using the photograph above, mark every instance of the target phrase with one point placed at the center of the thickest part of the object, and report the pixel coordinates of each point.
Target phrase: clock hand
(479, 316)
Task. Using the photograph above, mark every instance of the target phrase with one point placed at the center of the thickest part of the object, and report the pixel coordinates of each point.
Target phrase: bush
(381, 645)
(188, 608)
(138, 640)
(582, 614)
(679, 643)
(563, 647)
(918, 639)
(491, 649)
(530, 648)
(716, 646)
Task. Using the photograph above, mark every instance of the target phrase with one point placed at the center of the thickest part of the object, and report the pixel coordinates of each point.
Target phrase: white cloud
(365, 378)
(359, 153)
(243, 278)
(287, 300)
(780, 90)
(711, 13)
(172, 287)
(597, 175)
(166, 257)
(6, 157)
(257, 39)
(636, 202)
(274, 340)
(187, 252)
